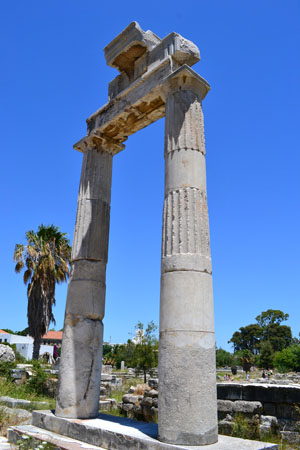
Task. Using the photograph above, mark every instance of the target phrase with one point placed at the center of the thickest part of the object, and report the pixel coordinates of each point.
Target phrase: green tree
(266, 355)
(223, 358)
(125, 353)
(247, 338)
(280, 336)
(288, 359)
(145, 356)
(46, 260)
(269, 328)
(271, 317)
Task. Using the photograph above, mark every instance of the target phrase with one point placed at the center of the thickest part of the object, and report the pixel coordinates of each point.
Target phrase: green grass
(10, 389)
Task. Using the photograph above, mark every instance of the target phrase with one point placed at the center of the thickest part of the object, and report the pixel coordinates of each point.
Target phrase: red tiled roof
(53, 335)
(4, 332)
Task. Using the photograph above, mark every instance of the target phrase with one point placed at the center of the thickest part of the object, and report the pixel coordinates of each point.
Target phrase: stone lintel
(118, 433)
(142, 103)
(100, 142)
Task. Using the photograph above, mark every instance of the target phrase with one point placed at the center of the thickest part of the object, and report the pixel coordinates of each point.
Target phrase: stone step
(17, 433)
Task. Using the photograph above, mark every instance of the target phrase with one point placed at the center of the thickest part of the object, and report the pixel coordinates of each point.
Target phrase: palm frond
(27, 275)
(18, 253)
(19, 266)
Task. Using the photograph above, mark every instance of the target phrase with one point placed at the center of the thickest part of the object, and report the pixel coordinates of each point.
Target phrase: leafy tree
(266, 355)
(247, 338)
(107, 348)
(288, 359)
(46, 259)
(125, 353)
(223, 358)
(268, 329)
(271, 317)
(24, 332)
(280, 336)
(145, 356)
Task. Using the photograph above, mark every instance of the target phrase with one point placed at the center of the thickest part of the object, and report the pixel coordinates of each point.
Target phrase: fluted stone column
(80, 365)
(187, 371)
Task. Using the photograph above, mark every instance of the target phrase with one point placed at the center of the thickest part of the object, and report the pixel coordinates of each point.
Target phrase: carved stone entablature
(135, 52)
(144, 101)
(99, 142)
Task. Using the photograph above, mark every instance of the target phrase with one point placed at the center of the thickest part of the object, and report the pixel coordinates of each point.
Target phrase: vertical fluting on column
(80, 364)
(187, 371)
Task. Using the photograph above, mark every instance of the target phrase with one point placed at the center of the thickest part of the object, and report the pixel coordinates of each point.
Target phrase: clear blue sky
(53, 76)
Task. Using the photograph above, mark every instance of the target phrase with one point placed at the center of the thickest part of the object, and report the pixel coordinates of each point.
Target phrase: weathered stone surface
(153, 393)
(155, 80)
(147, 401)
(18, 415)
(225, 406)
(128, 46)
(291, 437)
(140, 105)
(244, 407)
(20, 402)
(6, 353)
(116, 433)
(225, 427)
(267, 394)
(153, 383)
(133, 399)
(186, 311)
(268, 424)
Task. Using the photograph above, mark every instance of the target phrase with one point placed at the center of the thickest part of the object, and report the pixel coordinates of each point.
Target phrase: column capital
(185, 79)
(100, 142)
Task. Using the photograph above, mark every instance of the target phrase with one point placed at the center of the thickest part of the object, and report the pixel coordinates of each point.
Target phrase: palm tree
(46, 258)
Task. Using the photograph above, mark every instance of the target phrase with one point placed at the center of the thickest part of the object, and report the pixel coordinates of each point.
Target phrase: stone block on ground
(6, 354)
(18, 416)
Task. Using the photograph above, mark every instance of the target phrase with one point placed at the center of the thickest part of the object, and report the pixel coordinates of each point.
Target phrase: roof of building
(4, 332)
(57, 335)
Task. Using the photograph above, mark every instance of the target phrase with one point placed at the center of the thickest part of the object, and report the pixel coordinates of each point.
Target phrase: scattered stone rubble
(141, 403)
(273, 408)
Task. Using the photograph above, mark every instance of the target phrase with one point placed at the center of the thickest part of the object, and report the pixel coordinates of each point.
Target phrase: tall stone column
(80, 364)
(187, 371)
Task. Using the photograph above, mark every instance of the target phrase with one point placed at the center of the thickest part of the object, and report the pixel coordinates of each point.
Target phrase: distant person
(55, 352)
(263, 374)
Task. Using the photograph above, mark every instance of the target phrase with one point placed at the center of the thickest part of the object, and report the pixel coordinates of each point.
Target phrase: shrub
(37, 383)
(288, 359)
(6, 368)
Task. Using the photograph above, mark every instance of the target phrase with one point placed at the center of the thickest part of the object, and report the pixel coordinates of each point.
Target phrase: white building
(24, 344)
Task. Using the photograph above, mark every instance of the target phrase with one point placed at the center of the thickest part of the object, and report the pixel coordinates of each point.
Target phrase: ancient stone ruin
(155, 81)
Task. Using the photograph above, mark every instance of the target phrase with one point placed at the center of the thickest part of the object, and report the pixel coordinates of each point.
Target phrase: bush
(223, 358)
(6, 368)
(288, 359)
(38, 382)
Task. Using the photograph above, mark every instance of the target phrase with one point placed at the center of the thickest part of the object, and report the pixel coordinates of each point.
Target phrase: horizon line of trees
(267, 344)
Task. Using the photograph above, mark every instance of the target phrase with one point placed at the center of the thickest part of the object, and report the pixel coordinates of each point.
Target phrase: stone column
(187, 370)
(80, 363)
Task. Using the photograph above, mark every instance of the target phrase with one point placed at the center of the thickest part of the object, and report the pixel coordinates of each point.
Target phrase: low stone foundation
(269, 408)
